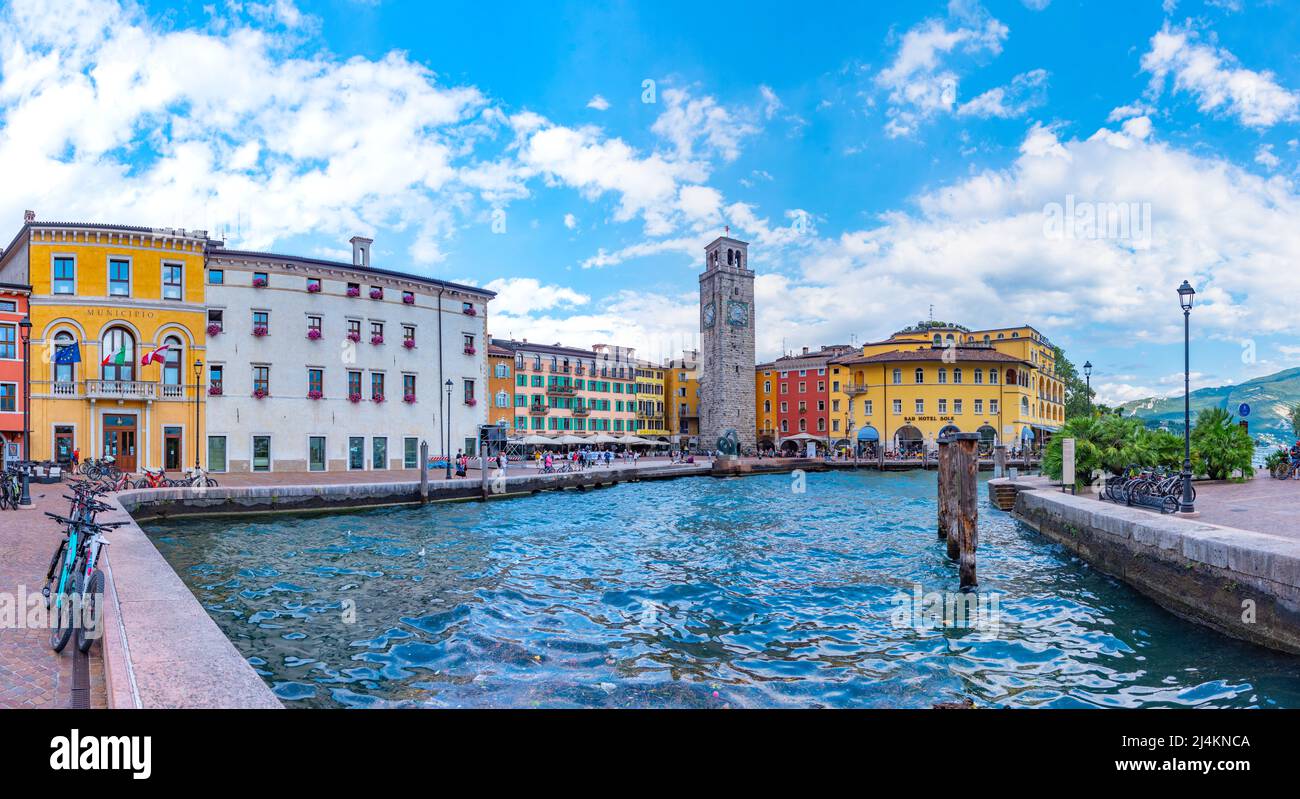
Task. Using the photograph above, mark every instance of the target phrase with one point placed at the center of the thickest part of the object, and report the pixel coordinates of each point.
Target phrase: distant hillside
(1270, 398)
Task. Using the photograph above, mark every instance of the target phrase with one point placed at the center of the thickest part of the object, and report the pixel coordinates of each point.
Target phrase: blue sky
(880, 158)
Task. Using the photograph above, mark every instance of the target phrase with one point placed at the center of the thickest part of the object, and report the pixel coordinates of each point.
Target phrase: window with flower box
(408, 297)
(315, 383)
(314, 331)
(376, 332)
(408, 336)
(216, 321)
(313, 285)
(354, 289)
(354, 330)
(469, 392)
(377, 386)
(216, 377)
(261, 323)
(261, 381)
(408, 388)
(260, 280)
(354, 386)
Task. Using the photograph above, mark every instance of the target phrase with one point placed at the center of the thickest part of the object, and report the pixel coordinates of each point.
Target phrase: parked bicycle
(74, 585)
(151, 478)
(11, 485)
(96, 468)
(196, 478)
(1154, 488)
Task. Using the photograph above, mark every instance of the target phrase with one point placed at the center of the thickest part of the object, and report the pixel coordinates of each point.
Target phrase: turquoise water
(692, 593)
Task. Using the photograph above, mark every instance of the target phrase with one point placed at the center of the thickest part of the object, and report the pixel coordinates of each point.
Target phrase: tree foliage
(1220, 446)
(1110, 444)
(1078, 397)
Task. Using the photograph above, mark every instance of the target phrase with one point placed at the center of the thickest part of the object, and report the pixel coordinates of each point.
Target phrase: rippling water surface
(692, 593)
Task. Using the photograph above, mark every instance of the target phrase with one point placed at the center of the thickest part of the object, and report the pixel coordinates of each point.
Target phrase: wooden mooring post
(958, 501)
(1000, 460)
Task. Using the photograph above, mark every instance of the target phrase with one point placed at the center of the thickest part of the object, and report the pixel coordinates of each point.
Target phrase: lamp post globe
(1185, 295)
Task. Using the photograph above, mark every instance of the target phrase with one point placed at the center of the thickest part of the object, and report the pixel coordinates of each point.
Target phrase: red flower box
(471, 402)
(259, 282)
(354, 337)
(313, 288)
(354, 398)
(409, 399)
(470, 350)
(409, 299)
(260, 394)
(353, 291)
(214, 391)
(376, 294)
(214, 329)
(376, 397)
(313, 333)
(409, 343)
(260, 331)
(470, 311)
(376, 340)
(314, 395)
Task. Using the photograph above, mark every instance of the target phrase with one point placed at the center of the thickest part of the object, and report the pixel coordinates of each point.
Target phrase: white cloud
(1214, 76)
(570, 221)
(525, 295)
(1264, 157)
(599, 103)
(658, 326)
(692, 123)
(1024, 92)
(919, 83)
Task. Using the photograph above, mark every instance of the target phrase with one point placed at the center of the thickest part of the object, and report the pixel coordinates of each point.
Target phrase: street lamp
(1185, 294)
(1087, 376)
(198, 376)
(26, 325)
(446, 419)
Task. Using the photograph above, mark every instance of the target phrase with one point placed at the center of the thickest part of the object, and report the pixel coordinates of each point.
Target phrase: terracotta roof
(221, 252)
(499, 351)
(963, 354)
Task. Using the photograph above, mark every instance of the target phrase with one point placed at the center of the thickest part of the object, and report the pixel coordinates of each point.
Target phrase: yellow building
(119, 294)
(501, 385)
(927, 381)
(651, 418)
(682, 385)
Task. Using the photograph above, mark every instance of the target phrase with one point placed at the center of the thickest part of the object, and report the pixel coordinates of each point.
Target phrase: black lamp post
(1087, 376)
(26, 325)
(198, 376)
(446, 420)
(1185, 294)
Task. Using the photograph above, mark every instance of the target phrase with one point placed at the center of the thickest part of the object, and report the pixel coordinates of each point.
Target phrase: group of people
(581, 458)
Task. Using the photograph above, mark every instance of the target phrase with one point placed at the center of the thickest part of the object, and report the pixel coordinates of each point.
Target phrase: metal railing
(112, 389)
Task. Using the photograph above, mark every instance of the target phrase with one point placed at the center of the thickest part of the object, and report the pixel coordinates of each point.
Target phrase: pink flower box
(259, 282)
(376, 294)
(260, 394)
(376, 339)
(260, 331)
(354, 337)
(471, 402)
(409, 343)
(409, 299)
(313, 333)
(314, 395)
(353, 291)
(470, 311)
(214, 391)
(354, 398)
(214, 329)
(377, 398)
(470, 351)
(313, 288)
(409, 399)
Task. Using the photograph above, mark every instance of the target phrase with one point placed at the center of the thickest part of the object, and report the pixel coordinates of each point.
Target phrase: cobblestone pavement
(31, 674)
(1263, 504)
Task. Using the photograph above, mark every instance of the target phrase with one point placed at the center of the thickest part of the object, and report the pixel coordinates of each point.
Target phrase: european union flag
(69, 353)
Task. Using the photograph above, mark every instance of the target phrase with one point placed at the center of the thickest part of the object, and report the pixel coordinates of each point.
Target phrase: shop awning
(868, 433)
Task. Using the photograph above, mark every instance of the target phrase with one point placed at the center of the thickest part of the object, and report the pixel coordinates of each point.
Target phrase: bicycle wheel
(141, 483)
(92, 607)
(64, 609)
(210, 483)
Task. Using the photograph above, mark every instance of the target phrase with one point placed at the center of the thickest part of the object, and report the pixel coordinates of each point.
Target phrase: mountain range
(1270, 398)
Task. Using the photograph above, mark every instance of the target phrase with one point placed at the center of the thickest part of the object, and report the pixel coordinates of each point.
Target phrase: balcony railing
(582, 411)
(112, 389)
(856, 388)
(559, 389)
(539, 410)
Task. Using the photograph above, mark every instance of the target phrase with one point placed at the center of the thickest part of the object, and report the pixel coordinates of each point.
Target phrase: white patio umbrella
(604, 438)
(570, 439)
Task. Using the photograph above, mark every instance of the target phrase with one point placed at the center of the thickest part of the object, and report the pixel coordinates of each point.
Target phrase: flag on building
(67, 353)
(117, 358)
(158, 355)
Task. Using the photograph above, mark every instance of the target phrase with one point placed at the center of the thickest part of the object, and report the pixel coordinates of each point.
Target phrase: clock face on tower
(708, 315)
(737, 313)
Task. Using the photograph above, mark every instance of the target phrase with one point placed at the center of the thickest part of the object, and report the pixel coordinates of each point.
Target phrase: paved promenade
(356, 476)
(31, 674)
(1262, 505)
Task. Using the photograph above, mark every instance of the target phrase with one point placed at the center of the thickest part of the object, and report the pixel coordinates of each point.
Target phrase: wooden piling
(965, 470)
(945, 483)
(424, 472)
(1000, 460)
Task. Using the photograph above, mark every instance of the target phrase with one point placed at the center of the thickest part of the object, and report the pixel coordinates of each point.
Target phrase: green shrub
(1220, 446)
(1108, 443)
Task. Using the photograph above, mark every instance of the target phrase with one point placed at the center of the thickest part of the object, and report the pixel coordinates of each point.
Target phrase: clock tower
(727, 344)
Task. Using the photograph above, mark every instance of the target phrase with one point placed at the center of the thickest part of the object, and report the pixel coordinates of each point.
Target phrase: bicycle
(11, 488)
(198, 478)
(73, 582)
(154, 479)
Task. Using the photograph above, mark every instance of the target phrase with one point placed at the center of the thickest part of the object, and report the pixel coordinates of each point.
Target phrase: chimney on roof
(29, 216)
(361, 251)
(805, 350)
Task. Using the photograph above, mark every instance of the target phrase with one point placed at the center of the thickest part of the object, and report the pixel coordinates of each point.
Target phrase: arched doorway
(868, 441)
(948, 430)
(908, 440)
(789, 448)
(988, 439)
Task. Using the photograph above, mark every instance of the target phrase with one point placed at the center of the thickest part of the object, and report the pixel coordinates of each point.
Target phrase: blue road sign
(1243, 410)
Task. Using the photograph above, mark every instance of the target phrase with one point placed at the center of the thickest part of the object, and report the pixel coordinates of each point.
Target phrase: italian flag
(116, 358)
(158, 355)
